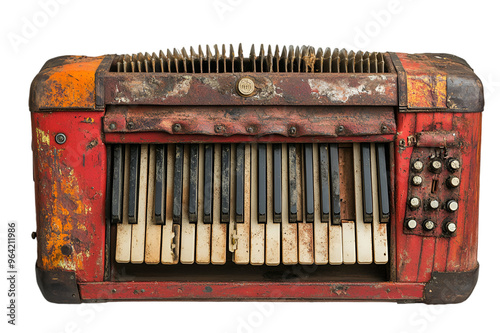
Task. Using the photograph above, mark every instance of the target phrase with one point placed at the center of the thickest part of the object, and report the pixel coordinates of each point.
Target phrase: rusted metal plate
(301, 291)
(439, 82)
(270, 89)
(65, 83)
(252, 121)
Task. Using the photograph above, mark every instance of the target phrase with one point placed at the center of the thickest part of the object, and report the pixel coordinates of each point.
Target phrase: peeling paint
(336, 92)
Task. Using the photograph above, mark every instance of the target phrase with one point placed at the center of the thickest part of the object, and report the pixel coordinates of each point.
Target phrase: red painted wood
(70, 181)
(407, 247)
(251, 291)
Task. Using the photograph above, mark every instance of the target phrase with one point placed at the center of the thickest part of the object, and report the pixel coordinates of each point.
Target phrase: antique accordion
(293, 174)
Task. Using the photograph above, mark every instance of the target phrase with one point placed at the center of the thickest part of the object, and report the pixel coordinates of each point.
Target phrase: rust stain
(59, 216)
(426, 91)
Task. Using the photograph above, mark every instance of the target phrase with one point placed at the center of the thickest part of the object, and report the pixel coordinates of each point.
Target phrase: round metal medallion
(245, 86)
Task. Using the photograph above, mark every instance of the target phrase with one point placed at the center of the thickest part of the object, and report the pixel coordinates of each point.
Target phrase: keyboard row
(257, 203)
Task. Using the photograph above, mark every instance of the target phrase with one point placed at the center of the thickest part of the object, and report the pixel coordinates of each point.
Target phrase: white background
(468, 29)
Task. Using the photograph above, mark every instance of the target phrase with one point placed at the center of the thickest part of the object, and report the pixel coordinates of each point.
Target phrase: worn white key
(203, 230)
(242, 253)
(380, 247)
(288, 230)
(363, 230)
(335, 244)
(153, 230)
(219, 230)
(232, 235)
(188, 230)
(305, 230)
(139, 229)
(124, 229)
(320, 228)
(169, 250)
(273, 230)
(348, 242)
(257, 230)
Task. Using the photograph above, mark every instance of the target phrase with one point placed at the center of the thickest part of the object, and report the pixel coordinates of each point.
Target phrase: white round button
(452, 205)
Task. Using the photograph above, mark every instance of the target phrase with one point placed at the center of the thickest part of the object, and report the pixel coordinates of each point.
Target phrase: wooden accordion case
(279, 174)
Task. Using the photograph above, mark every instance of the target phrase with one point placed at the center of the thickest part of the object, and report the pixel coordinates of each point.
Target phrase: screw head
(292, 130)
(177, 127)
(112, 126)
(250, 129)
(60, 138)
(341, 128)
(130, 125)
(218, 128)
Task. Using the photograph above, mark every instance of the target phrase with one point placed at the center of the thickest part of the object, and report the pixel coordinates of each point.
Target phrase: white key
(335, 244)
(153, 230)
(305, 230)
(348, 242)
(188, 230)
(273, 236)
(320, 228)
(170, 233)
(242, 253)
(219, 230)
(203, 230)
(380, 248)
(257, 230)
(139, 229)
(288, 230)
(124, 229)
(363, 230)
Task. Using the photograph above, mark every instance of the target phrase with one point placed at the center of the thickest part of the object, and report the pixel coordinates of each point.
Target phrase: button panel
(433, 192)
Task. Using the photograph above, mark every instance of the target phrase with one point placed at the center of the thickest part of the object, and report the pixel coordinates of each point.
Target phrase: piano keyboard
(258, 203)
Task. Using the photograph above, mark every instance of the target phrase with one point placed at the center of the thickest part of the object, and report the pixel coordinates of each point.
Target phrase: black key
(367, 183)
(277, 182)
(383, 182)
(240, 181)
(323, 182)
(193, 183)
(225, 182)
(133, 181)
(309, 182)
(208, 188)
(262, 184)
(117, 189)
(178, 165)
(292, 182)
(335, 183)
(160, 184)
